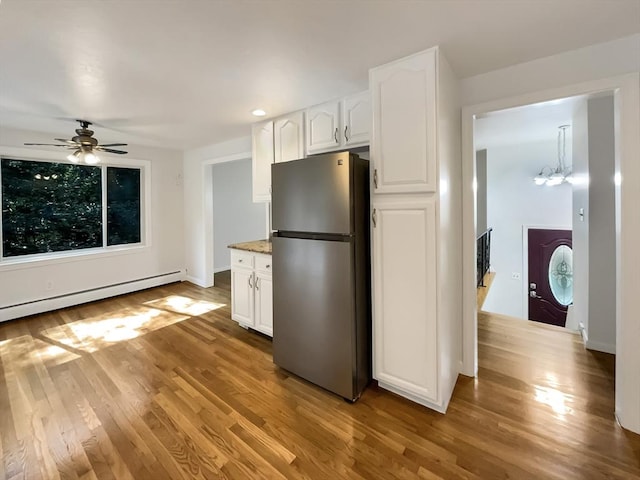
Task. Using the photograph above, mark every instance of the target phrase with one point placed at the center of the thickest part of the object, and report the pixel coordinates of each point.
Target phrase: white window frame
(51, 258)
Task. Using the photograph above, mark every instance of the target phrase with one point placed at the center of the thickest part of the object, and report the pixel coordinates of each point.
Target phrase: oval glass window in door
(561, 274)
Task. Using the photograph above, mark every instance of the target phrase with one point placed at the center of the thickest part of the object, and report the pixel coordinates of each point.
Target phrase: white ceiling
(522, 125)
(186, 73)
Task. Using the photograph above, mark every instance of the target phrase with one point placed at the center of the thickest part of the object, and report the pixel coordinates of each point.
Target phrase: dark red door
(550, 275)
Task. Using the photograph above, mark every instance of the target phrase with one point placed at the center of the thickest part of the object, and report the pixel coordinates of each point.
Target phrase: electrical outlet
(515, 276)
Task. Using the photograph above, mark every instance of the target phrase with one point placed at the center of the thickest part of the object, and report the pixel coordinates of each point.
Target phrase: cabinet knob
(257, 284)
(250, 285)
(335, 135)
(375, 178)
(268, 266)
(240, 261)
(373, 218)
(346, 137)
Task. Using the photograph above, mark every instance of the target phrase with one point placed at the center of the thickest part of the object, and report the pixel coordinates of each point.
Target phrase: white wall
(580, 127)
(449, 242)
(513, 201)
(198, 205)
(235, 217)
(595, 233)
(608, 66)
(481, 192)
(590, 63)
(24, 283)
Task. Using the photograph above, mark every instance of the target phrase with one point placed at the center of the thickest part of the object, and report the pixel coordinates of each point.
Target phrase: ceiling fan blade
(51, 145)
(112, 145)
(66, 141)
(109, 150)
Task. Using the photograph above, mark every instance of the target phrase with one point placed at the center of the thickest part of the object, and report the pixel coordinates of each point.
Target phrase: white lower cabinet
(263, 303)
(242, 302)
(252, 291)
(404, 291)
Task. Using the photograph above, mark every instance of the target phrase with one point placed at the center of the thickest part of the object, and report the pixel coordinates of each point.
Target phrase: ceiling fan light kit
(84, 145)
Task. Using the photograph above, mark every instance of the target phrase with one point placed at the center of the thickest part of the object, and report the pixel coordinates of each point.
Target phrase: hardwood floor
(162, 384)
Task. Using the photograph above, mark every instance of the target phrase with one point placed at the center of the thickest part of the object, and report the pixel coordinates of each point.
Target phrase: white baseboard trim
(198, 281)
(583, 333)
(68, 300)
(221, 269)
(600, 347)
(413, 398)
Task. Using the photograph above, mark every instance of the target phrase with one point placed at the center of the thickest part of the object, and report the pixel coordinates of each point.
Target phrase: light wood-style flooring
(161, 384)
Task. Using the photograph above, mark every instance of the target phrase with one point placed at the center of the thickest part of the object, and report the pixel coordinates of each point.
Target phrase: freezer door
(312, 195)
(314, 312)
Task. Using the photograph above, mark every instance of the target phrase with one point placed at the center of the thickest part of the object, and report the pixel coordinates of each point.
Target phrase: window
(56, 207)
(123, 205)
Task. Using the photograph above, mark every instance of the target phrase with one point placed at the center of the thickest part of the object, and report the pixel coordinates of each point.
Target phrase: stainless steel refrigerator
(321, 271)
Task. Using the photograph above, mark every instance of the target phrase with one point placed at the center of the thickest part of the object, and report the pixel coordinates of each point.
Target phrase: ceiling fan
(84, 145)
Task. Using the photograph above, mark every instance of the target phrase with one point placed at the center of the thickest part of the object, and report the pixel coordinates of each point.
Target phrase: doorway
(513, 146)
(626, 90)
(235, 217)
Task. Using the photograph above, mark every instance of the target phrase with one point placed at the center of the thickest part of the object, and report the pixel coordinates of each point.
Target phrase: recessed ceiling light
(258, 112)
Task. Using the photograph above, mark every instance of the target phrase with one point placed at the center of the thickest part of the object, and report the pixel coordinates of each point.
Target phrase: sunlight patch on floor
(25, 351)
(92, 334)
(554, 398)
(185, 305)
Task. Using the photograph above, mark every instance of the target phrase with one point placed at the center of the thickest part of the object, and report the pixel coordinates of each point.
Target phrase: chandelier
(562, 173)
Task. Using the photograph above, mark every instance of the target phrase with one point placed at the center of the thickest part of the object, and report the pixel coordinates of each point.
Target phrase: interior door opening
(529, 180)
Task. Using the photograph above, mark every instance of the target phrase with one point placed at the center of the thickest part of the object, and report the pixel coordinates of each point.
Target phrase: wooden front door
(550, 275)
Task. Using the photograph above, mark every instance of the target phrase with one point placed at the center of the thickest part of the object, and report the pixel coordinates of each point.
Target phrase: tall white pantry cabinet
(416, 228)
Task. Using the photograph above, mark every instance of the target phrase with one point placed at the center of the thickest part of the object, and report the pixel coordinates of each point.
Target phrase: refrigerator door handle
(374, 219)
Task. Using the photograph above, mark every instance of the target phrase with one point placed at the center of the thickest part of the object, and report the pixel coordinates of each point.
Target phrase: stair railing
(483, 255)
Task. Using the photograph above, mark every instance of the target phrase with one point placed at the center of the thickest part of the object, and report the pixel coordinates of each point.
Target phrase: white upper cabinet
(339, 124)
(404, 135)
(356, 118)
(289, 137)
(278, 140)
(262, 154)
(323, 127)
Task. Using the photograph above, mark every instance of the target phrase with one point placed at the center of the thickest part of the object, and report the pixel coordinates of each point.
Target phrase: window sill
(42, 260)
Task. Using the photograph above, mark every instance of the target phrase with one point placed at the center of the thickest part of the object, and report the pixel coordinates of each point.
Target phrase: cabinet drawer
(240, 258)
(263, 263)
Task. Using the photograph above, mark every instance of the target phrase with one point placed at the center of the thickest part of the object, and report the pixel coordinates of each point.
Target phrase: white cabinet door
(356, 119)
(262, 158)
(289, 137)
(403, 147)
(324, 131)
(264, 304)
(404, 289)
(242, 296)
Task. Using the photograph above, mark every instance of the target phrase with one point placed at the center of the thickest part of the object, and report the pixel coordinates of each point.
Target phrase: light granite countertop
(256, 246)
